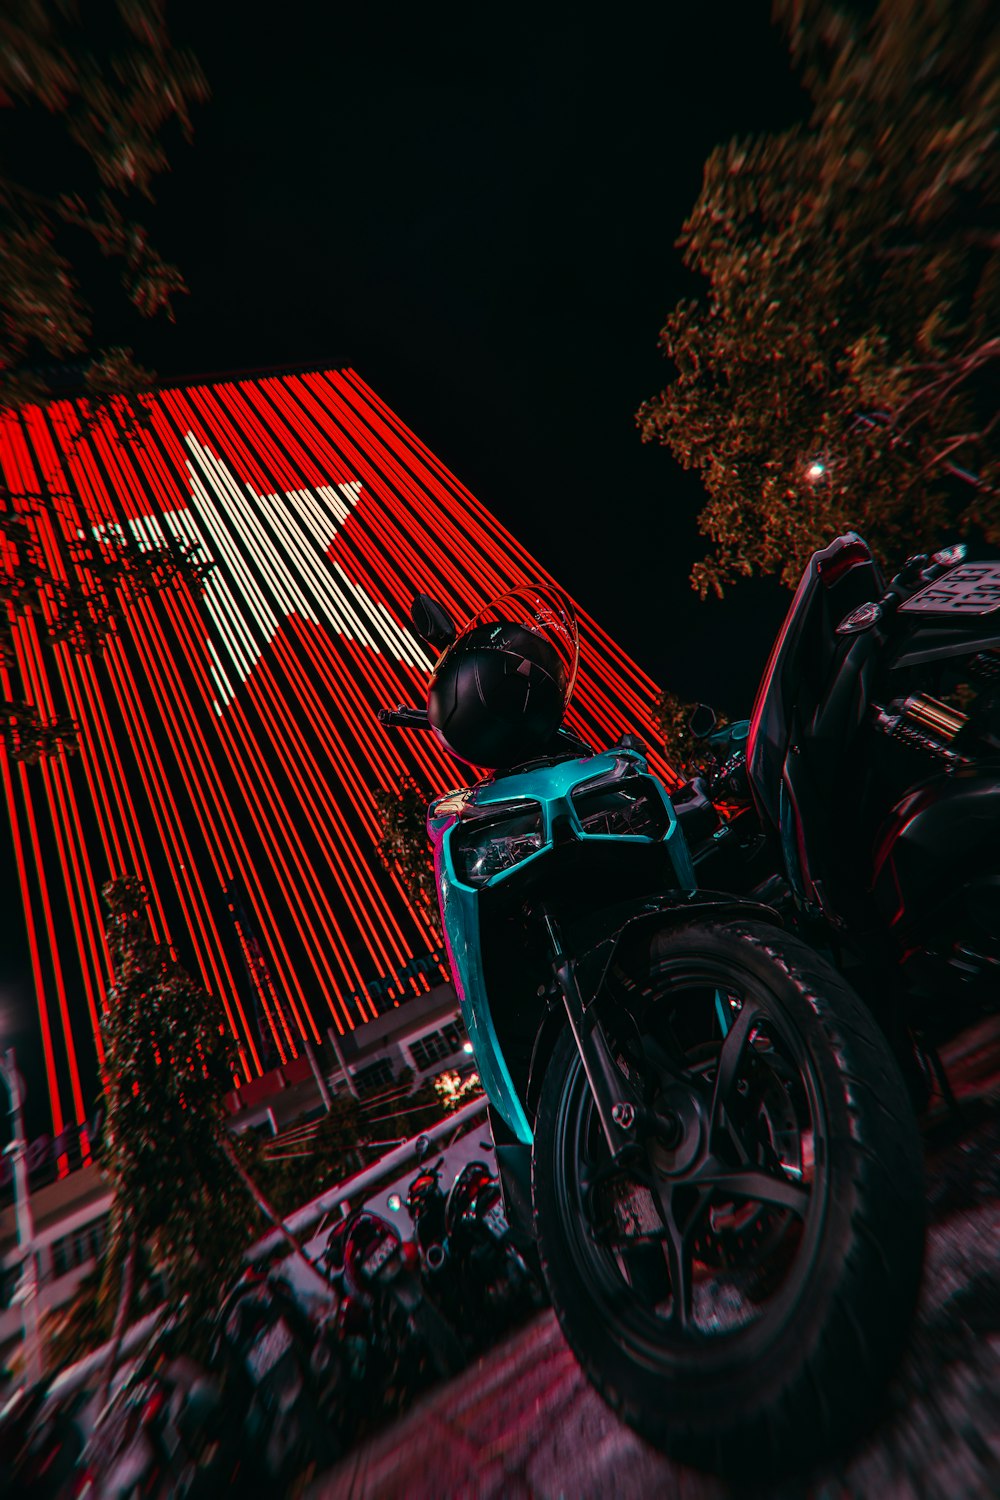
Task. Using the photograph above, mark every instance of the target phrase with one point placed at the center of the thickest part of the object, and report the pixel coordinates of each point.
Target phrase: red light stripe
(54, 782)
(180, 607)
(264, 693)
(144, 628)
(56, 771)
(55, 1104)
(97, 713)
(150, 764)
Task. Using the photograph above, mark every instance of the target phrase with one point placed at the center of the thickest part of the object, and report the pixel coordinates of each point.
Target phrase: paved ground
(523, 1424)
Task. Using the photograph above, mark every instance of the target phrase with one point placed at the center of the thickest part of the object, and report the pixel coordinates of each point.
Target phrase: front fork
(617, 1099)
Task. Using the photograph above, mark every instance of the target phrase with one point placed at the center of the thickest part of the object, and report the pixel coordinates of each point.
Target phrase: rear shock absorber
(924, 723)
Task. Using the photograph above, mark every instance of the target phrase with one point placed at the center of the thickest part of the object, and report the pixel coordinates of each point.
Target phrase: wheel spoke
(678, 1252)
(758, 1186)
(676, 1243)
(730, 1057)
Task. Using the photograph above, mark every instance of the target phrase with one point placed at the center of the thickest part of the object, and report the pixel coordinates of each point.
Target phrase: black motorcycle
(868, 781)
(426, 1204)
(383, 1303)
(496, 1278)
(471, 1262)
(285, 1377)
(725, 1172)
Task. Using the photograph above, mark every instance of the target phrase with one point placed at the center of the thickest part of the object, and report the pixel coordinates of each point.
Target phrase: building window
(435, 1047)
(375, 1076)
(74, 1250)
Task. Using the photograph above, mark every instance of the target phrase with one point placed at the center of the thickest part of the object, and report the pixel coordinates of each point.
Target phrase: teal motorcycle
(695, 1116)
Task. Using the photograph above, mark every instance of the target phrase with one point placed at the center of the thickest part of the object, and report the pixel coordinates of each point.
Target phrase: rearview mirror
(431, 621)
(702, 720)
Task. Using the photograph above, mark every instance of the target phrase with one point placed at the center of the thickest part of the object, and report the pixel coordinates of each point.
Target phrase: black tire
(805, 1373)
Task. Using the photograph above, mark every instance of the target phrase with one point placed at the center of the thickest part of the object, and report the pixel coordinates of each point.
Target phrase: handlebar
(402, 717)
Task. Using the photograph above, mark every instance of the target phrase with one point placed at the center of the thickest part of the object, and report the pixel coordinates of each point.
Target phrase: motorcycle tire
(823, 1273)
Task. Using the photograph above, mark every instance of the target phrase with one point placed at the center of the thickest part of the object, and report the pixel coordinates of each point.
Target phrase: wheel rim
(703, 1247)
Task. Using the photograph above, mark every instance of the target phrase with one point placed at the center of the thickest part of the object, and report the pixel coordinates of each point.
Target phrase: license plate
(495, 1222)
(377, 1259)
(971, 589)
(268, 1350)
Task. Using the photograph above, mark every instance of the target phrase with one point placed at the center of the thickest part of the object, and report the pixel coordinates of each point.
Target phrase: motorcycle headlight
(622, 809)
(482, 848)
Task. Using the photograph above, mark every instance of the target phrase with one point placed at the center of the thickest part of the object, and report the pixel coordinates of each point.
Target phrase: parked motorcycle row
(288, 1386)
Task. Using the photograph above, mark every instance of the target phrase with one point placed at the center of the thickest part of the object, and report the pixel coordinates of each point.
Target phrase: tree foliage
(86, 96)
(76, 600)
(841, 369)
(404, 845)
(685, 753)
(166, 1150)
(93, 90)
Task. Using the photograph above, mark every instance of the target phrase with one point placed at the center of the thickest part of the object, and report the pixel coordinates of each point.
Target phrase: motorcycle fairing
(937, 845)
(844, 571)
(548, 786)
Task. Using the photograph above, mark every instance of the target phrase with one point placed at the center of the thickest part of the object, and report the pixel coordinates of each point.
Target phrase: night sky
(477, 211)
(479, 215)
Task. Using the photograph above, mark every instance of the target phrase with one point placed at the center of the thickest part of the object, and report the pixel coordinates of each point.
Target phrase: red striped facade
(229, 753)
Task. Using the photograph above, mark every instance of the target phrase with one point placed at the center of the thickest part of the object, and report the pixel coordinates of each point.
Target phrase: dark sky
(478, 212)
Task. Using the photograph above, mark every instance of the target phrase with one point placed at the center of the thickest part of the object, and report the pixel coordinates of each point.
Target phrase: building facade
(229, 754)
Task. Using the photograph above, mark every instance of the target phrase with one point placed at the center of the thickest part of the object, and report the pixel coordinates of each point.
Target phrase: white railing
(387, 1167)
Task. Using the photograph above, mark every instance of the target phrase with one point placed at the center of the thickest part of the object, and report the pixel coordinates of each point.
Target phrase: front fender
(624, 927)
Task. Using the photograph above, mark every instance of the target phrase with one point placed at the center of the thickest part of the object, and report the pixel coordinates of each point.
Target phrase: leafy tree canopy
(166, 1151)
(841, 370)
(404, 845)
(73, 599)
(86, 95)
(91, 91)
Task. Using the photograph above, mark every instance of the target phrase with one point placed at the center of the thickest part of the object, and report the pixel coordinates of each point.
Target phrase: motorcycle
(41, 1444)
(494, 1273)
(870, 773)
(725, 1171)
(162, 1433)
(383, 1303)
(285, 1376)
(426, 1204)
(470, 1263)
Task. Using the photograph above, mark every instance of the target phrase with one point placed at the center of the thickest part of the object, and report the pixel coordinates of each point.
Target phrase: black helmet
(499, 692)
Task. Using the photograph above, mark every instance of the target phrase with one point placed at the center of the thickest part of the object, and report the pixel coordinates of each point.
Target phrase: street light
(27, 1287)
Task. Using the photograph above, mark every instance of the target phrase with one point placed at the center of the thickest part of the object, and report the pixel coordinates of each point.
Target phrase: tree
(182, 1198)
(79, 605)
(404, 844)
(110, 84)
(685, 753)
(841, 370)
(90, 97)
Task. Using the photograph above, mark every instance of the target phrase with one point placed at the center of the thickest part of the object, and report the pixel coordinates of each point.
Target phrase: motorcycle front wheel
(739, 1284)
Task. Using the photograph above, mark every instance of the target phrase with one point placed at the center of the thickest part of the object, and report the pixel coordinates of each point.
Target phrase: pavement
(523, 1424)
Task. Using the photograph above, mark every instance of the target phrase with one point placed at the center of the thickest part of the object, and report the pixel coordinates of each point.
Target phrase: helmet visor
(546, 612)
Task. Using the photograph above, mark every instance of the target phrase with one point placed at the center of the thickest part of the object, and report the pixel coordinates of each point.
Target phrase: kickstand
(937, 1067)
